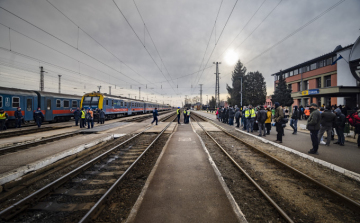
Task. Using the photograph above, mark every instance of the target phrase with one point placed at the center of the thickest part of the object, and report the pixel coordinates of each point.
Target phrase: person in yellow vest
(250, 115)
(178, 114)
(3, 118)
(82, 118)
(187, 116)
(185, 113)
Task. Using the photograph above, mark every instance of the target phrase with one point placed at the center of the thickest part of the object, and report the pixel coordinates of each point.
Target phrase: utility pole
(42, 78)
(99, 88)
(217, 84)
(207, 99)
(201, 93)
(110, 90)
(139, 93)
(241, 92)
(59, 83)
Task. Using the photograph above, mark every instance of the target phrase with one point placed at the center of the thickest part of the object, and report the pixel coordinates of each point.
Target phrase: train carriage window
(121, 104)
(29, 104)
(48, 104)
(66, 104)
(58, 103)
(107, 102)
(1, 101)
(112, 102)
(74, 104)
(15, 102)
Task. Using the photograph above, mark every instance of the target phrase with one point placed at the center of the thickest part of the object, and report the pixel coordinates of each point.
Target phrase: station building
(318, 81)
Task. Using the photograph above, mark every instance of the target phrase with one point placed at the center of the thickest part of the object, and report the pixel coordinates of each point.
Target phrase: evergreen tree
(282, 93)
(234, 91)
(255, 89)
(212, 103)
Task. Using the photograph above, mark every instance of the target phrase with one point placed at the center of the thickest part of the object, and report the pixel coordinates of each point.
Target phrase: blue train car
(136, 107)
(12, 98)
(57, 107)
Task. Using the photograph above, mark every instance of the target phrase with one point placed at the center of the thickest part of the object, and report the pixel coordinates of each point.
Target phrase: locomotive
(116, 106)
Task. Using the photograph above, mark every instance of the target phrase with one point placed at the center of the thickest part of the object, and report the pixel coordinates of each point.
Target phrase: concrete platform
(104, 127)
(347, 156)
(184, 187)
(207, 126)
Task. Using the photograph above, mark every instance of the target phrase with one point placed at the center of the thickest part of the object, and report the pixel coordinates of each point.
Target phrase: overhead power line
(297, 30)
(127, 21)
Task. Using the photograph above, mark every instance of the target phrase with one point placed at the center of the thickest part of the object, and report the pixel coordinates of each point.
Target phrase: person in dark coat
(155, 115)
(313, 125)
(339, 126)
(237, 117)
(19, 117)
(294, 119)
(326, 124)
(77, 115)
(102, 116)
(278, 118)
(261, 117)
(38, 116)
(231, 116)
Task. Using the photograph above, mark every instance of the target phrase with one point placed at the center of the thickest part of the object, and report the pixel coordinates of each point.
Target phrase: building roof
(325, 56)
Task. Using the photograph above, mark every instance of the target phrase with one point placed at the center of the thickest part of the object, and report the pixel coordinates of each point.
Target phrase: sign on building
(310, 92)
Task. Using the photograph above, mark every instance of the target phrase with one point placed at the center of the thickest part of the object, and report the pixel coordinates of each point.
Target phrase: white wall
(344, 76)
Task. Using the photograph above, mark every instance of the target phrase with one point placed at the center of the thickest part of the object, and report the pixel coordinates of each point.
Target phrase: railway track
(29, 131)
(81, 194)
(290, 192)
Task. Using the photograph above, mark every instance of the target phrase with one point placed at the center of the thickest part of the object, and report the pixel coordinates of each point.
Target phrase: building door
(29, 110)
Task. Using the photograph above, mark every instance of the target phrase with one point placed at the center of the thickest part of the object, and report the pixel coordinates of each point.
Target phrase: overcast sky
(40, 35)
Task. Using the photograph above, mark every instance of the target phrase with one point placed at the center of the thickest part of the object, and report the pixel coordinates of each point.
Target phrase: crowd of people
(319, 120)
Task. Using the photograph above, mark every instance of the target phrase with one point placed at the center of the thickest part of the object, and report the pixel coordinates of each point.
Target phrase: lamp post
(241, 92)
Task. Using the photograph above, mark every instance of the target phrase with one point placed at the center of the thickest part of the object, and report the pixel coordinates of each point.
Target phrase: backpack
(352, 120)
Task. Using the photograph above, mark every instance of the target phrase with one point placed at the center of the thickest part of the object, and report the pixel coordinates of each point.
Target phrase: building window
(296, 72)
(299, 86)
(58, 103)
(306, 100)
(318, 82)
(66, 104)
(1, 101)
(327, 81)
(306, 85)
(334, 58)
(291, 73)
(329, 61)
(290, 86)
(321, 63)
(287, 74)
(74, 104)
(313, 66)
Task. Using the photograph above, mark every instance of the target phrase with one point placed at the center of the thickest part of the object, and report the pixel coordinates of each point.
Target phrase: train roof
(120, 97)
(16, 91)
(52, 94)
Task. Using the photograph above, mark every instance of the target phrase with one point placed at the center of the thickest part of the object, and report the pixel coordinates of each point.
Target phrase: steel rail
(98, 207)
(343, 197)
(24, 203)
(273, 203)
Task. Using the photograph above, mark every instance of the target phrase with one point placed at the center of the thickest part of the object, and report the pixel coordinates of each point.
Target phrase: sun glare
(231, 57)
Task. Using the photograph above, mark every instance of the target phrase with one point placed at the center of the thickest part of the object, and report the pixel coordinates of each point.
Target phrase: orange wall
(333, 80)
(312, 83)
(294, 87)
(315, 72)
(333, 101)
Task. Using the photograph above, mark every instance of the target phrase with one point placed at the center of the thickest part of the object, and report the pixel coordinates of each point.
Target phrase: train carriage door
(48, 111)
(29, 108)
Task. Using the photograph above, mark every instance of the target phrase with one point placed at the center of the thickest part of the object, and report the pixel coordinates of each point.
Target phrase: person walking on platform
(250, 115)
(102, 116)
(97, 115)
(339, 126)
(155, 115)
(82, 118)
(278, 118)
(261, 118)
(19, 117)
(38, 116)
(326, 124)
(237, 117)
(231, 116)
(90, 118)
(178, 114)
(77, 115)
(268, 121)
(313, 125)
(3, 118)
(187, 116)
(294, 119)
(243, 118)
